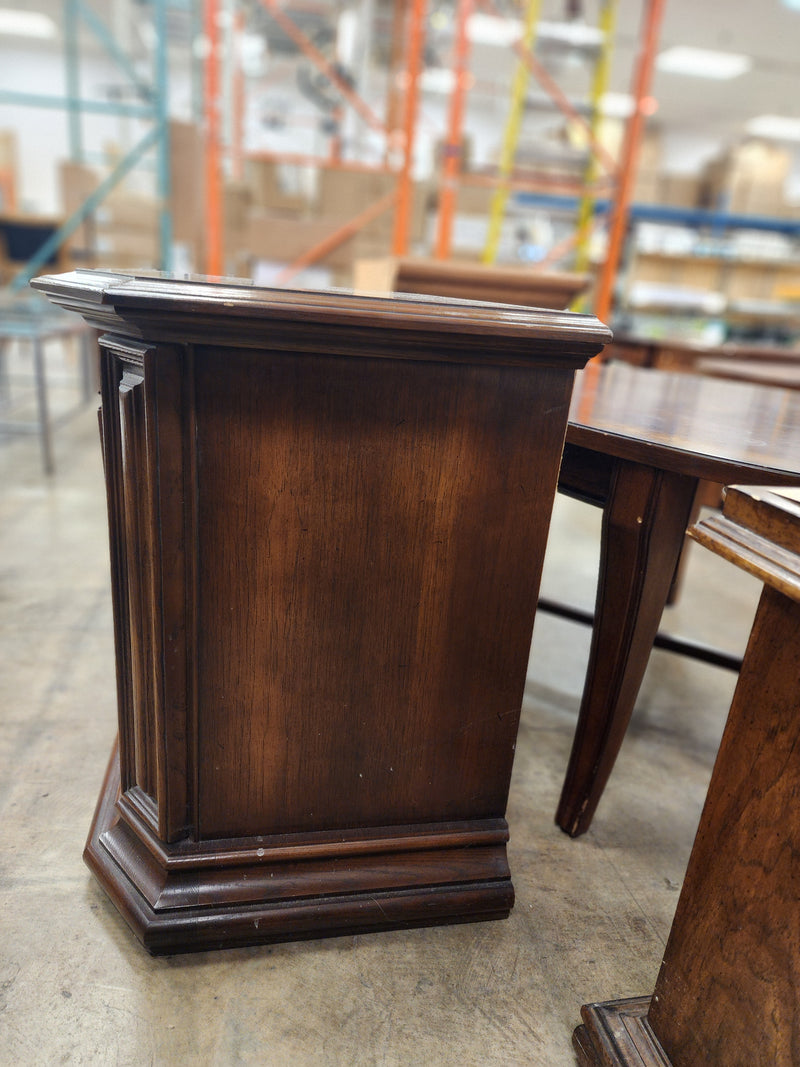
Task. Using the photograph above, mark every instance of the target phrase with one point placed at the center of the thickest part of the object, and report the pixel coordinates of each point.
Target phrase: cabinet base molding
(616, 1033)
(228, 894)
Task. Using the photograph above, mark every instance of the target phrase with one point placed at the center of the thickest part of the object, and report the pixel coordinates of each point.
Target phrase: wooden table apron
(638, 444)
(327, 517)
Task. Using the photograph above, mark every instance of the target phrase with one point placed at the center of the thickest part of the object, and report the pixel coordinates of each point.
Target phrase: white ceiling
(763, 29)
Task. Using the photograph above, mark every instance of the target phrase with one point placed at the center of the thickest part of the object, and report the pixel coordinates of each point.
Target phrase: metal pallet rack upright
(153, 108)
(402, 134)
(621, 175)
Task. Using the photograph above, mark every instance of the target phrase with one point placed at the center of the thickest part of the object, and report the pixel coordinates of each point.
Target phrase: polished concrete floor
(591, 915)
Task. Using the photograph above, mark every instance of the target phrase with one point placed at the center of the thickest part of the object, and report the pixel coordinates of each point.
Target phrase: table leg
(645, 517)
(5, 391)
(45, 434)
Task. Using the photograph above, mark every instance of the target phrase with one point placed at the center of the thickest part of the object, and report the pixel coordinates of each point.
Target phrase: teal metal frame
(154, 106)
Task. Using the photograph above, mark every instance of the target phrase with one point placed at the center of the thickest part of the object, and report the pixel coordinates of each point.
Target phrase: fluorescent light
(577, 34)
(622, 105)
(703, 63)
(26, 24)
(617, 105)
(502, 33)
(775, 127)
(488, 29)
(252, 51)
(437, 80)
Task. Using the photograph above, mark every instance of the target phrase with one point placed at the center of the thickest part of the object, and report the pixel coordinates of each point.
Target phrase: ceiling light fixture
(622, 105)
(576, 34)
(703, 63)
(437, 80)
(617, 105)
(491, 30)
(774, 127)
(14, 23)
(502, 32)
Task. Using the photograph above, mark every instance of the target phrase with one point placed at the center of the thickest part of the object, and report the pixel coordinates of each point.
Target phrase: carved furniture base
(264, 889)
(617, 1034)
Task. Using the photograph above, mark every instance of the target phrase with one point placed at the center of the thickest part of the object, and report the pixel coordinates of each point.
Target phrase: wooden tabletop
(695, 350)
(524, 285)
(723, 431)
(763, 372)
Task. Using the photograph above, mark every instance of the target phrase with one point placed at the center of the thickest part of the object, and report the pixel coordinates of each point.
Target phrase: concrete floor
(591, 916)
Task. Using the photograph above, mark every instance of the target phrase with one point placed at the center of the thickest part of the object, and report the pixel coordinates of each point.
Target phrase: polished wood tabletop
(677, 353)
(525, 286)
(639, 443)
(763, 372)
(688, 424)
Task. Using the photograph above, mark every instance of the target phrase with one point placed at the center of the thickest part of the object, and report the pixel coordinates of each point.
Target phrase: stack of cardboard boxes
(265, 222)
(750, 179)
(8, 171)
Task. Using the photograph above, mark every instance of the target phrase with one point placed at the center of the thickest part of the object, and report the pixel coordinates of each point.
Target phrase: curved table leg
(645, 516)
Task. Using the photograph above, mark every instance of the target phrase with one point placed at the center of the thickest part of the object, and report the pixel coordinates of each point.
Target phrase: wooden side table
(328, 515)
(729, 984)
(528, 286)
(638, 444)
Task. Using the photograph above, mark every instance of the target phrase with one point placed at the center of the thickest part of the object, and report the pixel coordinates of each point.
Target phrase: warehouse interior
(636, 160)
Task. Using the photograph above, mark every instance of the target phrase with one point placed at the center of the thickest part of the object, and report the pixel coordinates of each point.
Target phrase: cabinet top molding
(158, 307)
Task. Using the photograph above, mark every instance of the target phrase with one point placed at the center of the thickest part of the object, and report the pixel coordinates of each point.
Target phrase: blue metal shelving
(153, 106)
(677, 216)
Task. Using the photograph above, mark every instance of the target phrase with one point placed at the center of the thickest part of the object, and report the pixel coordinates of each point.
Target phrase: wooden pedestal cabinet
(327, 516)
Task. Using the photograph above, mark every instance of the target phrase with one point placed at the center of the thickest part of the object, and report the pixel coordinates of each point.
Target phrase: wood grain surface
(328, 516)
(729, 985)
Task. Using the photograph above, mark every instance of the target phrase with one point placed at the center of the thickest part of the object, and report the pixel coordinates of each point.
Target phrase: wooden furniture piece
(764, 364)
(525, 286)
(784, 374)
(670, 353)
(638, 443)
(328, 515)
(21, 236)
(728, 987)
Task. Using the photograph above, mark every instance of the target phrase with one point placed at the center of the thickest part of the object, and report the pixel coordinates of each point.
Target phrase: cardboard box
(8, 170)
(647, 187)
(142, 245)
(283, 240)
(235, 218)
(679, 190)
(77, 183)
(121, 210)
(343, 194)
(268, 191)
(749, 180)
(188, 184)
(474, 199)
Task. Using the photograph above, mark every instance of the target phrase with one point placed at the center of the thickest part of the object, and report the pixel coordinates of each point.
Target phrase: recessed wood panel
(360, 526)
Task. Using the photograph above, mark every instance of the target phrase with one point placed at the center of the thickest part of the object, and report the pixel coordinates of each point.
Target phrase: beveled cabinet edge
(403, 324)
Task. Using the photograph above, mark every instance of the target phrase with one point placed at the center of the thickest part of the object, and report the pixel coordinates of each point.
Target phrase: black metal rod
(680, 645)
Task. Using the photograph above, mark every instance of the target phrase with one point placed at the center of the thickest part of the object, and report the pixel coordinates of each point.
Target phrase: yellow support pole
(608, 18)
(519, 87)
